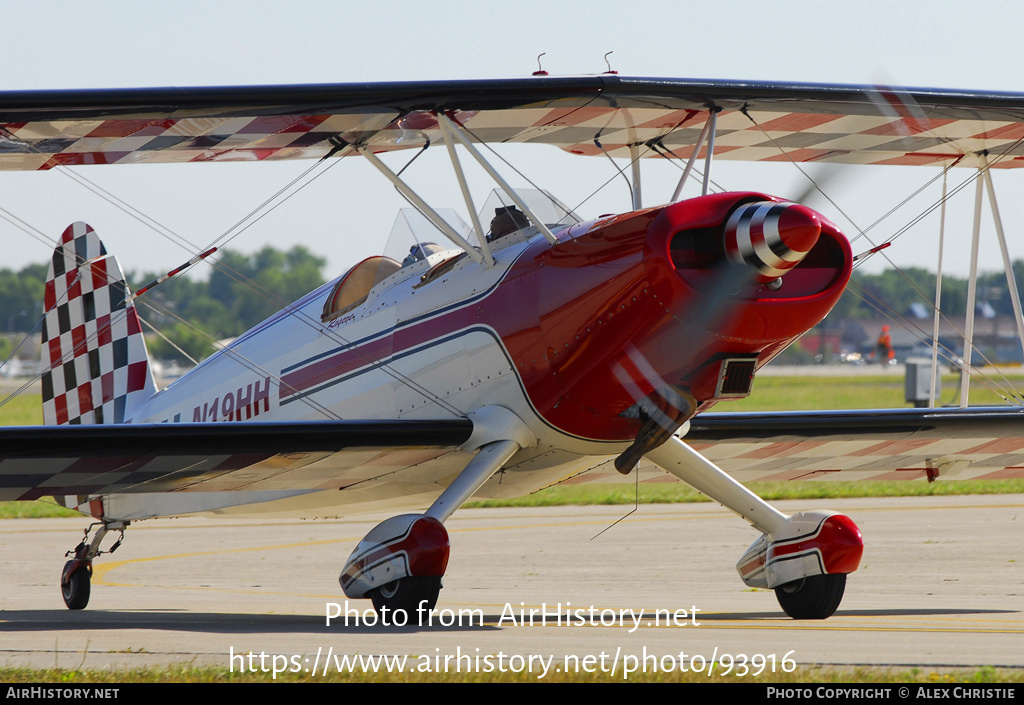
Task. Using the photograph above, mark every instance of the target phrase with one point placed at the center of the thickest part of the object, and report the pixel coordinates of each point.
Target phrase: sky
(347, 213)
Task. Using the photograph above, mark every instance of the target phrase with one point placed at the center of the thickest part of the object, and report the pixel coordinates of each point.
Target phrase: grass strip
(804, 674)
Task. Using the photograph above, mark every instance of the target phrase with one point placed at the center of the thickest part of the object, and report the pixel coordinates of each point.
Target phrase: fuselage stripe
(348, 370)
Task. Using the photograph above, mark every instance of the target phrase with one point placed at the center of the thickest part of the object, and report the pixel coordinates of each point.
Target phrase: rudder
(94, 355)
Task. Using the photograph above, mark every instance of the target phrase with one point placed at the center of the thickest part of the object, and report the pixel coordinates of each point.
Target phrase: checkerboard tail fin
(94, 354)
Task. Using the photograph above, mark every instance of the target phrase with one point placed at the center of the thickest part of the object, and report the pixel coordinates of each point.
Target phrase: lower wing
(889, 444)
(228, 464)
(886, 444)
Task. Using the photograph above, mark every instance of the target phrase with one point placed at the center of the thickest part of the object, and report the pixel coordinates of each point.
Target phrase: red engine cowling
(691, 296)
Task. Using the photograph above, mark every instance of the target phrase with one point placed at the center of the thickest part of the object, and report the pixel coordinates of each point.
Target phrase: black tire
(78, 588)
(407, 595)
(814, 597)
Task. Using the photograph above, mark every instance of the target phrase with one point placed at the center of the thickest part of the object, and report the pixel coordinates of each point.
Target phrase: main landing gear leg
(804, 557)
(399, 564)
(76, 578)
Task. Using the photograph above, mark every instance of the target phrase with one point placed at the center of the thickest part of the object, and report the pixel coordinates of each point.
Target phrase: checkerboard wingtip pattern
(94, 354)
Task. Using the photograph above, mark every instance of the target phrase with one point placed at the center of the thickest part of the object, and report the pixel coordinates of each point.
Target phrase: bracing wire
(876, 248)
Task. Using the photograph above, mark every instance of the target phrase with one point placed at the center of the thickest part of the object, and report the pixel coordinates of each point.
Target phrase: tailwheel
(414, 595)
(76, 579)
(812, 597)
(76, 587)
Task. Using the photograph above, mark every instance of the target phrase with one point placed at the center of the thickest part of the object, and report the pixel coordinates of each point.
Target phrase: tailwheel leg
(803, 557)
(76, 578)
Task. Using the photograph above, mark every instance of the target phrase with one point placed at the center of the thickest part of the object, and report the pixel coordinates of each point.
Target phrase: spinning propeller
(760, 242)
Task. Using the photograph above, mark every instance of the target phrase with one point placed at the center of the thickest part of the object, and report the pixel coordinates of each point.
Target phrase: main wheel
(79, 586)
(813, 597)
(415, 596)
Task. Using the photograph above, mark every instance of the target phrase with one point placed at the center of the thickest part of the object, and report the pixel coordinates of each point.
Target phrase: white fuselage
(409, 351)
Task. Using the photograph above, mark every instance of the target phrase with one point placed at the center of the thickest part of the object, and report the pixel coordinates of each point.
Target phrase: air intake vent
(735, 377)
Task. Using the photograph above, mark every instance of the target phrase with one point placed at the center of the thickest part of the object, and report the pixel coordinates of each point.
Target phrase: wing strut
(985, 182)
(439, 222)
(938, 297)
(713, 120)
(693, 158)
(1011, 281)
(449, 142)
(634, 160)
(972, 286)
(455, 132)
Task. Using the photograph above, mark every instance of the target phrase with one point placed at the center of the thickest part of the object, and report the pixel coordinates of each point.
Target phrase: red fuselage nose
(625, 306)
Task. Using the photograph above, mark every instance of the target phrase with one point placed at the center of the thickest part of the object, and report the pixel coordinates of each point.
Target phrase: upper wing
(583, 115)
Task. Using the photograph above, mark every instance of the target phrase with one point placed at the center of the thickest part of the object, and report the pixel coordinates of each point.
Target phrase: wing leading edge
(757, 121)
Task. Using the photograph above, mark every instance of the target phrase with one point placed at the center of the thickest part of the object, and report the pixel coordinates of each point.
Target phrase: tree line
(239, 292)
(895, 292)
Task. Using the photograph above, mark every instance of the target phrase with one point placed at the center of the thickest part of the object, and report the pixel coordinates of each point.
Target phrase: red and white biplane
(514, 356)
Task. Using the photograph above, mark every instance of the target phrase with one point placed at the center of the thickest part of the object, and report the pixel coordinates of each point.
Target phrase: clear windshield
(549, 209)
(414, 236)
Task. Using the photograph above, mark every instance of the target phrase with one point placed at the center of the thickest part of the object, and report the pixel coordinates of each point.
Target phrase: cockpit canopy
(412, 228)
(414, 237)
